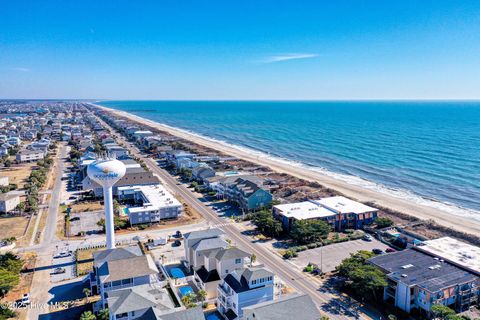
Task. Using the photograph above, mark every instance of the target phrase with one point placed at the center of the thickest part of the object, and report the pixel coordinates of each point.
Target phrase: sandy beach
(420, 211)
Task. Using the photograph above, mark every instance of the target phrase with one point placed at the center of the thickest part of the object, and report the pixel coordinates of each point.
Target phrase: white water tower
(106, 172)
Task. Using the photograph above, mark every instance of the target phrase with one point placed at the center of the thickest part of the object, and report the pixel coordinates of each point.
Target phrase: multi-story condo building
(442, 271)
(340, 212)
(153, 203)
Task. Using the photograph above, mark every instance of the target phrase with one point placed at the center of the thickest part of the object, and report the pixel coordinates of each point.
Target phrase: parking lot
(67, 264)
(330, 256)
(85, 221)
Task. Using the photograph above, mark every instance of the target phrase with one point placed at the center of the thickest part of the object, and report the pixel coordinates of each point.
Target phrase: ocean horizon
(426, 151)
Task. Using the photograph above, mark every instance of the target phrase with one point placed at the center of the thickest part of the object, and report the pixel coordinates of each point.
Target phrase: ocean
(428, 152)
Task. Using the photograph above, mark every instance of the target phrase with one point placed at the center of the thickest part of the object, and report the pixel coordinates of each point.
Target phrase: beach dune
(442, 217)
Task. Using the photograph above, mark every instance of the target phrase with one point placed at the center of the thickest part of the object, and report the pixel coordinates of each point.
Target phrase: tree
(104, 314)
(307, 231)
(267, 224)
(439, 311)
(21, 206)
(202, 295)
(86, 292)
(383, 222)
(189, 300)
(88, 315)
(364, 279)
(253, 258)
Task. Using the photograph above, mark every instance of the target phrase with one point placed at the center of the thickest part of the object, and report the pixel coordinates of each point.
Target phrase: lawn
(18, 174)
(84, 260)
(86, 206)
(12, 226)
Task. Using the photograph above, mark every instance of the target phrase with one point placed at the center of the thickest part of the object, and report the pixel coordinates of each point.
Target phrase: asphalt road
(49, 234)
(328, 301)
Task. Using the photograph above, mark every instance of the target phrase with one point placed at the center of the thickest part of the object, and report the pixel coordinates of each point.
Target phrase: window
(237, 261)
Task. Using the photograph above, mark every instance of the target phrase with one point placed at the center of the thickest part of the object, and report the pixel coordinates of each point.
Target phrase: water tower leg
(109, 225)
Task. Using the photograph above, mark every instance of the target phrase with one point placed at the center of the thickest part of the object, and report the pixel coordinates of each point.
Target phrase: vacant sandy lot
(18, 174)
(12, 226)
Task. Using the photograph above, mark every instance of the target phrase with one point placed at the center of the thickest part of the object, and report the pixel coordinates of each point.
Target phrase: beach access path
(329, 301)
(421, 211)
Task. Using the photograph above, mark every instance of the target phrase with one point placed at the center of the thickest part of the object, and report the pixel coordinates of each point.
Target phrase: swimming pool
(185, 290)
(177, 273)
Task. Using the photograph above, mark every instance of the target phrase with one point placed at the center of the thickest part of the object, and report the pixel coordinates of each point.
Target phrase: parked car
(59, 270)
(25, 299)
(63, 254)
(377, 251)
(367, 237)
(389, 250)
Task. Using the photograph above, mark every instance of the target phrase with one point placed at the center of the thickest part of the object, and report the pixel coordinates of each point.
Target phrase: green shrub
(290, 254)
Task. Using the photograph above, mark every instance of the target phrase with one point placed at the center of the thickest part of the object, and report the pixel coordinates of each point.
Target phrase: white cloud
(289, 56)
(21, 69)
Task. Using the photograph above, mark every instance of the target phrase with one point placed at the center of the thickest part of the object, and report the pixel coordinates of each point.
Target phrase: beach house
(214, 264)
(293, 306)
(243, 288)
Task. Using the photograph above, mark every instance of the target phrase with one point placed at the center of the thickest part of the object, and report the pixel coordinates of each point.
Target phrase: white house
(3, 181)
(243, 288)
(29, 155)
(9, 201)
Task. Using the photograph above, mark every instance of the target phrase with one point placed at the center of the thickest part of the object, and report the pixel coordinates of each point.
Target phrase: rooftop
(304, 210)
(413, 267)
(154, 197)
(139, 298)
(295, 306)
(454, 251)
(203, 234)
(341, 204)
(127, 268)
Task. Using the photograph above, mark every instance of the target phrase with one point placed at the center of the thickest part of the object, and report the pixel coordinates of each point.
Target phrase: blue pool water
(177, 273)
(185, 290)
(426, 152)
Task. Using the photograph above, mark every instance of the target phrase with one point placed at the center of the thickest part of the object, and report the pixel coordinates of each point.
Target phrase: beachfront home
(174, 157)
(243, 288)
(246, 191)
(341, 213)
(349, 214)
(202, 172)
(307, 210)
(293, 306)
(442, 271)
(152, 203)
(249, 196)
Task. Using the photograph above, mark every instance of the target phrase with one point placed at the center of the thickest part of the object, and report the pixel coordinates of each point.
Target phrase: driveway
(328, 257)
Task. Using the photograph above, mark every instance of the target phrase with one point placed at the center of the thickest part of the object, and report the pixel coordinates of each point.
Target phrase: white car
(26, 298)
(367, 237)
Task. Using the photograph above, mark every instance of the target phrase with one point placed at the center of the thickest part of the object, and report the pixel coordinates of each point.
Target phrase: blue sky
(244, 49)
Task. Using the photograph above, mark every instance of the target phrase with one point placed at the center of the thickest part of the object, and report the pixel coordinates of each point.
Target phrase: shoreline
(354, 191)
